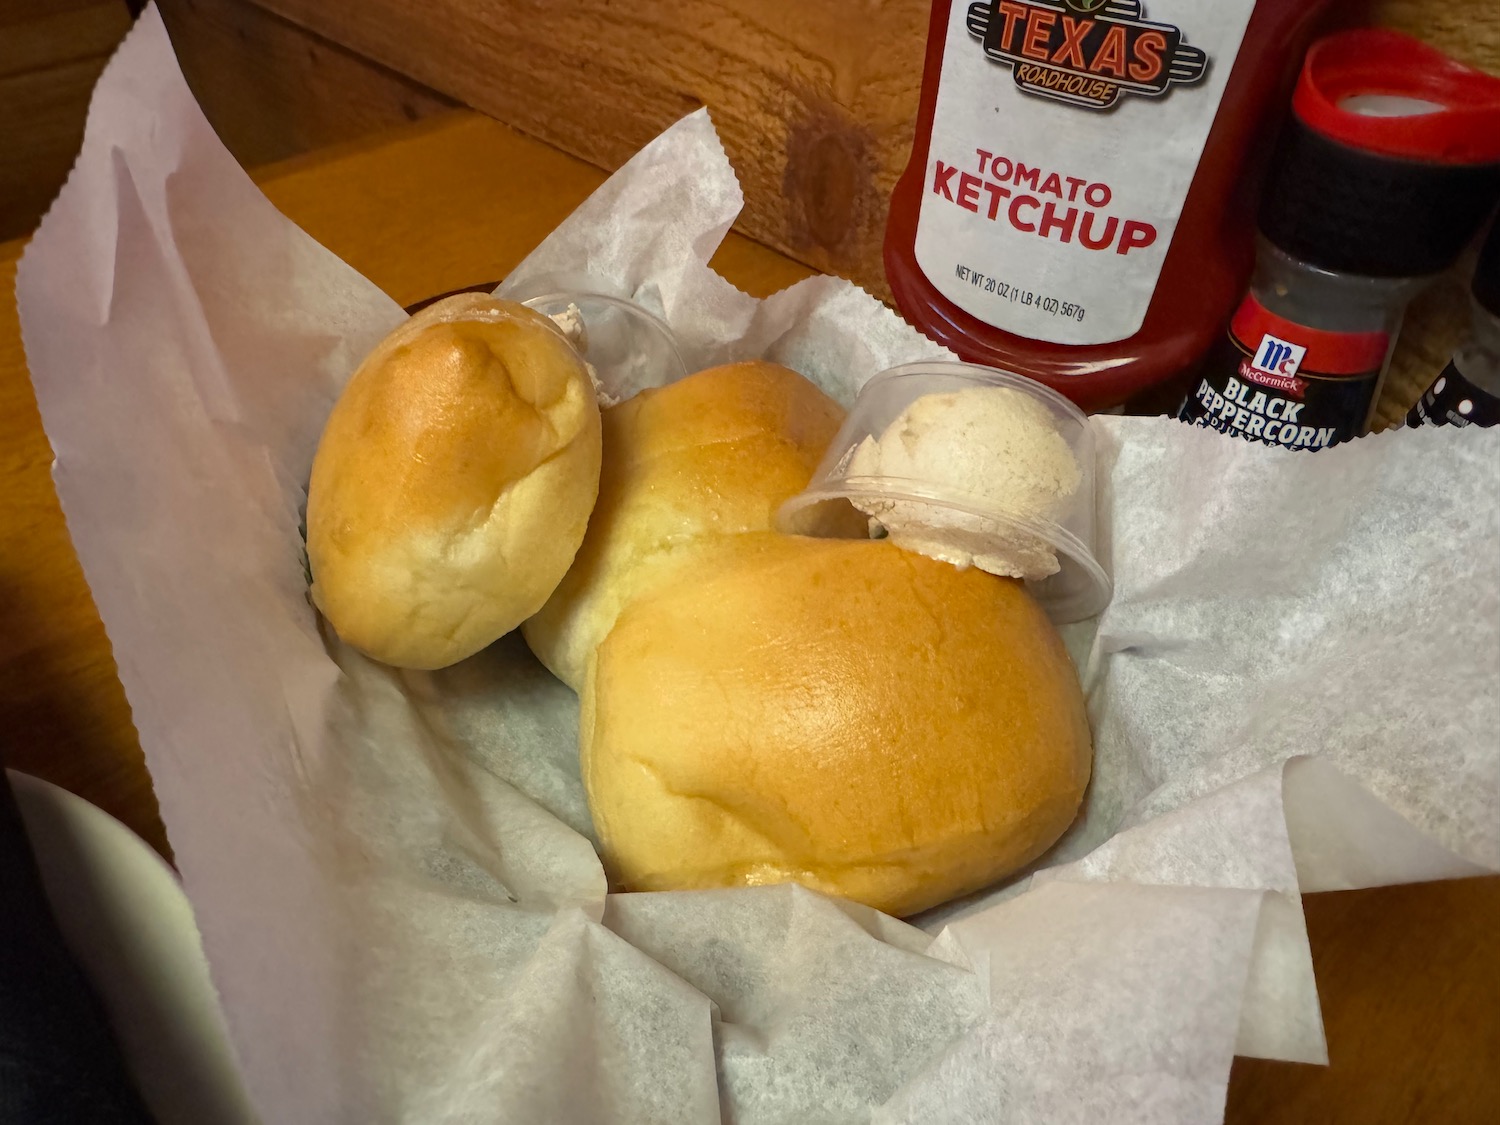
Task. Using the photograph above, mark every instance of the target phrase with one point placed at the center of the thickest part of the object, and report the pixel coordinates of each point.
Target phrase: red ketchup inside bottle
(1079, 205)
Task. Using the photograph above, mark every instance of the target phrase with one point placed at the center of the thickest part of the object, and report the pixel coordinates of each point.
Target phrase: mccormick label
(1285, 384)
(1454, 401)
(1064, 140)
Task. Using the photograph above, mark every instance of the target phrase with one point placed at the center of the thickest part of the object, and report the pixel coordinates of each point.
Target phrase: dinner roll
(866, 721)
(758, 708)
(712, 455)
(453, 482)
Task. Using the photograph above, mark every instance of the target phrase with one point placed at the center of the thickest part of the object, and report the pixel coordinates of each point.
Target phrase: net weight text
(1005, 291)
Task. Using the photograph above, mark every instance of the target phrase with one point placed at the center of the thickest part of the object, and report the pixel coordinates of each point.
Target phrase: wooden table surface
(1409, 976)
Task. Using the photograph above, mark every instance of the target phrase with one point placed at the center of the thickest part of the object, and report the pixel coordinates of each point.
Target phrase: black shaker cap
(1352, 211)
(1390, 161)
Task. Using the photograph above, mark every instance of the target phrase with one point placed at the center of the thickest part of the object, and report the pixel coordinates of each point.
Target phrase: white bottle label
(1064, 140)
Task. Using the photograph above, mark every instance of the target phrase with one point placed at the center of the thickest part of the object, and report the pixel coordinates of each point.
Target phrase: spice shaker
(1388, 166)
(1467, 393)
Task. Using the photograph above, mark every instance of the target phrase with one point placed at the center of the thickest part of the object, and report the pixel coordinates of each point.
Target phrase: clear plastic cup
(975, 478)
(630, 348)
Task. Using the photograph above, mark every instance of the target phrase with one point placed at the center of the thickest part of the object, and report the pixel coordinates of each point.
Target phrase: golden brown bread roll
(759, 708)
(714, 454)
(453, 482)
(857, 718)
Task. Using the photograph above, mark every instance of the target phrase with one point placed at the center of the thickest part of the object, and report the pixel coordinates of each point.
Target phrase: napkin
(1296, 688)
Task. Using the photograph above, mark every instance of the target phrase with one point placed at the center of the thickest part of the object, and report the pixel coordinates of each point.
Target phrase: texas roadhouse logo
(1085, 52)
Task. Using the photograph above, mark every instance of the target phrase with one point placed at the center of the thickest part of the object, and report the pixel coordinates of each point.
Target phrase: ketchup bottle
(1079, 205)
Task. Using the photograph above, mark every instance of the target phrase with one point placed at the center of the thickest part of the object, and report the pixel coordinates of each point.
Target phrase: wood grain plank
(272, 89)
(62, 36)
(50, 56)
(63, 714)
(814, 99)
(459, 200)
(1470, 32)
(1409, 979)
(14, 12)
(40, 132)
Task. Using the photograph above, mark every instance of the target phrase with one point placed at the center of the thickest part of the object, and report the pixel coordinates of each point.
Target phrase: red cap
(1373, 61)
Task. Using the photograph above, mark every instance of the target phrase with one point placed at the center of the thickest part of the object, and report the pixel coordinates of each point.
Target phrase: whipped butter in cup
(970, 465)
(628, 348)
